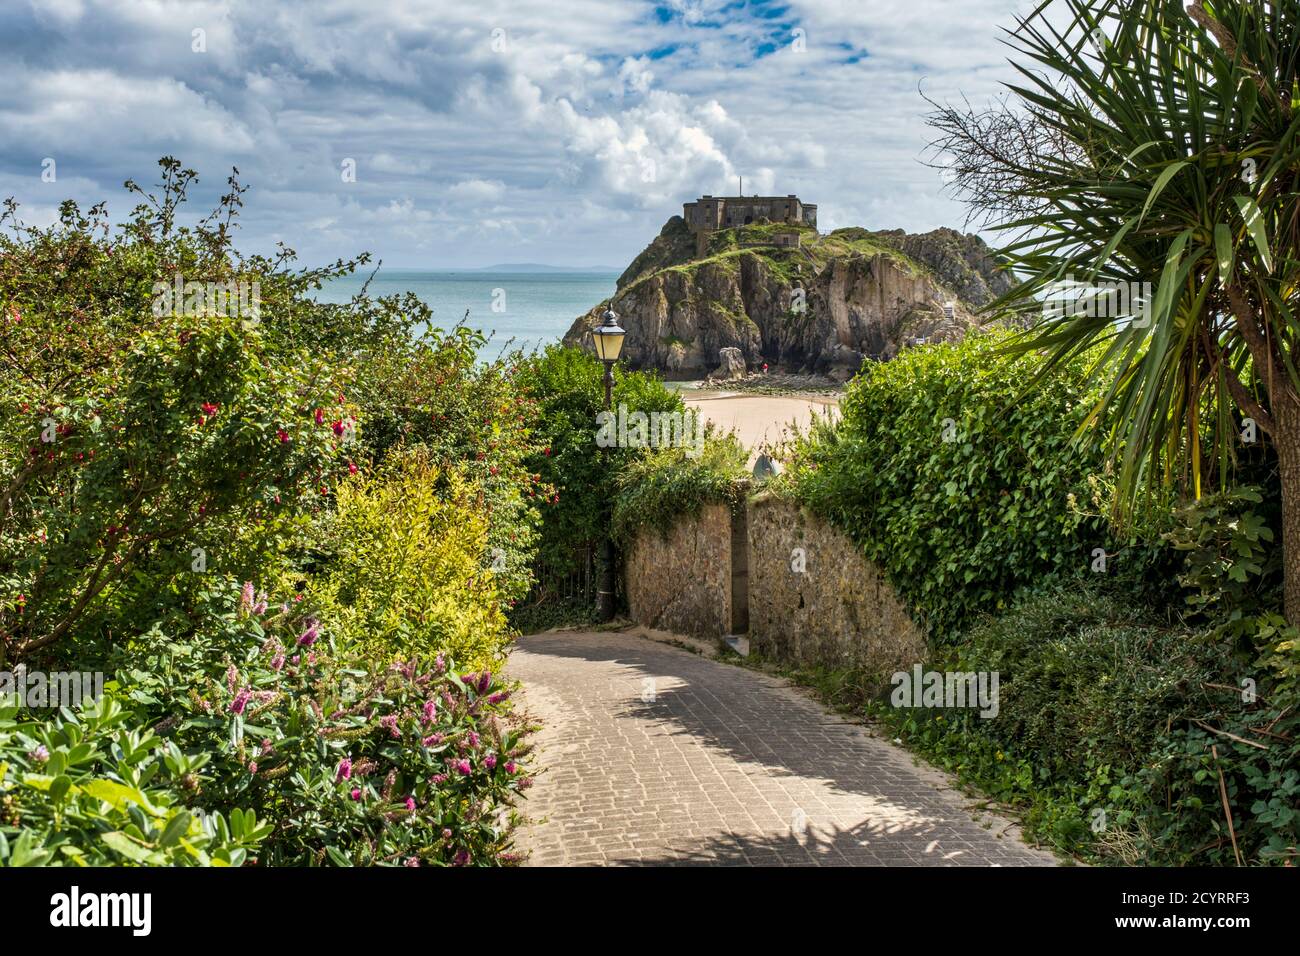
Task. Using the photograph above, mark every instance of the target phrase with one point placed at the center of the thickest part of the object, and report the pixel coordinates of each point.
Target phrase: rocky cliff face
(824, 307)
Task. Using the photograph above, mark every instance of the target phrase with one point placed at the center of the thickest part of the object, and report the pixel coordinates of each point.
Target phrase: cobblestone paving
(655, 755)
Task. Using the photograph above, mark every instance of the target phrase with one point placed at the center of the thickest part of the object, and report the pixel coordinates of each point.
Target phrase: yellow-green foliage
(410, 573)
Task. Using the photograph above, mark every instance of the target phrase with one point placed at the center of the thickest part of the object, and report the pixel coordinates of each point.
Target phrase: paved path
(657, 755)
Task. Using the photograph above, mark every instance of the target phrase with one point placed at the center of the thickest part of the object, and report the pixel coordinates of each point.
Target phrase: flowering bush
(139, 448)
(92, 788)
(153, 455)
(358, 761)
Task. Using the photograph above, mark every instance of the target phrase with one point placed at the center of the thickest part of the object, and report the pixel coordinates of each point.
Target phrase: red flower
(338, 427)
(352, 468)
(320, 416)
(283, 435)
(547, 451)
(209, 408)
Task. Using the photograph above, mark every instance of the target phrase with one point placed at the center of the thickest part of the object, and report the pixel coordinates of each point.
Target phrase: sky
(442, 135)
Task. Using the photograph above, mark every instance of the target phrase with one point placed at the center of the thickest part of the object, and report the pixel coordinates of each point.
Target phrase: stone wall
(682, 582)
(838, 611)
(720, 571)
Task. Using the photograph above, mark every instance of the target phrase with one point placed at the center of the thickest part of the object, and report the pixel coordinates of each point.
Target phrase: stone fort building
(710, 213)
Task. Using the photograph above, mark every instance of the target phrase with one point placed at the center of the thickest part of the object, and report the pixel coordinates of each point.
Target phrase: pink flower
(390, 723)
(232, 676)
(40, 754)
(438, 778)
(252, 766)
(320, 416)
(510, 766)
(430, 708)
(499, 696)
(277, 662)
(446, 834)
(491, 761)
(432, 740)
(241, 701)
(338, 428)
(345, 770)
(309, 637)
(356, 793)
(410, 804)
(463, 767)
(473, 739)
(412, 861)
(283, 435)
(246, 598)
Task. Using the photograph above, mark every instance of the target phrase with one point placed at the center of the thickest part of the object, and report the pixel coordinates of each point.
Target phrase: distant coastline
(538, 268)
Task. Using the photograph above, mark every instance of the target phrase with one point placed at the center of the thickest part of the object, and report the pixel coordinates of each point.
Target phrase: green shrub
(419, 389)
(964, 487)
(93, 787)
(407, 570)
(1108, 712)
(567, 386)
(1176, 800)
(664, 486)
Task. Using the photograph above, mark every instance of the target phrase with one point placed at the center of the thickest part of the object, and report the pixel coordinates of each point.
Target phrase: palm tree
(1145, 163)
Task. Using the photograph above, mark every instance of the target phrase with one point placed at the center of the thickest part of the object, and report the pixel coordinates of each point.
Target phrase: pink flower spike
(309, 636)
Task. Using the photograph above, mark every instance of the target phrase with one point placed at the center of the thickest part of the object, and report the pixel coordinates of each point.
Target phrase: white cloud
(580, 133)
(477, 190)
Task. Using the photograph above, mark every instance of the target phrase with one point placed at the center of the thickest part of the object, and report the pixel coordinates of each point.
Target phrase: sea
(525, 310)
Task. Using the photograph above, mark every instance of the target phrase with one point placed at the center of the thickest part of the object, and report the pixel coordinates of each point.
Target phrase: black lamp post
(608, 339)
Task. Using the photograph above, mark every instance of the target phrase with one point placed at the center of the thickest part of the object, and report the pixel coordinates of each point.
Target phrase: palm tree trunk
(1286, 439)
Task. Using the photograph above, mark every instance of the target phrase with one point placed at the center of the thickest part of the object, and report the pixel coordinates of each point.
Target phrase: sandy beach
(760, 420)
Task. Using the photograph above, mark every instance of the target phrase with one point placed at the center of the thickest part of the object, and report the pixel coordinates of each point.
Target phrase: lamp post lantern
(608, 340)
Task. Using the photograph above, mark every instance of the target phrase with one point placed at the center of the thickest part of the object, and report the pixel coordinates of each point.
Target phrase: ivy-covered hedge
(662, 487)
(1134, 691)
(961, 485)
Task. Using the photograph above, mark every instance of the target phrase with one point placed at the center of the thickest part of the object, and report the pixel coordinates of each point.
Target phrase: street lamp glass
(608, 338)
